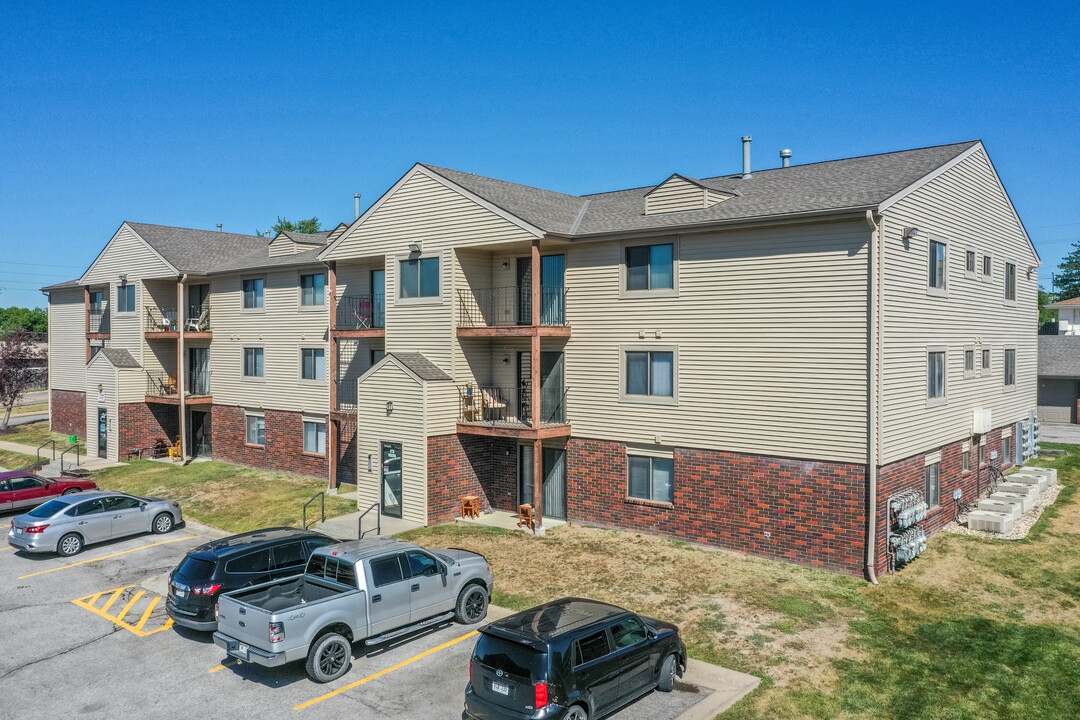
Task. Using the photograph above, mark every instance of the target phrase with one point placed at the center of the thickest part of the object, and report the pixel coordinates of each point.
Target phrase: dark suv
(570, 659)
(232, 563)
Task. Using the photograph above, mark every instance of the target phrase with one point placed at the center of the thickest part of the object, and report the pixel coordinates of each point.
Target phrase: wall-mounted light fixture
(123, 279)
(506, 359)
(389, 406)
(506, 264)
(415, 247)
(100, 388)
(912, 233)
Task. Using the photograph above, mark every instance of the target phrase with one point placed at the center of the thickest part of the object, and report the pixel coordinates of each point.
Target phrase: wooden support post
(86, 302)
(538, 487)
(180, 379)
(332, 426)
(538, 451)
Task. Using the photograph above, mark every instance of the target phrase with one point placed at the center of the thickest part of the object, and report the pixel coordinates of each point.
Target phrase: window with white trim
(315, 437)
(125, 298)
(650, 478)
(313, 289)
(933, 484)
(937, 265)
(935, 376)
(255, 433)
(969, 361)
(1010, 282)
(312, 364)
(969, 263)
(1010, 367)
(987, 266)
(965, 458)
(650, 373)
(1006, 450)
(650, 267)
(253, 362)
(986, 359)
(253, 293)
(419, 278)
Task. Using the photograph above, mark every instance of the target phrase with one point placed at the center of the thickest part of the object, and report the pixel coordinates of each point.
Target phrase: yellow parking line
(105, 557)
(135, 598)
(95, 598)
(146, 615)
(227, 663)
(116, 594)
(7, 548)
(379, 674)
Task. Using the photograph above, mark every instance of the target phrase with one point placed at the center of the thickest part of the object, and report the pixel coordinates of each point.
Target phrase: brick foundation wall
(910, 474)
(460, 465)
(284, 449)
(68, 412)
(141, 424)
(815, 512)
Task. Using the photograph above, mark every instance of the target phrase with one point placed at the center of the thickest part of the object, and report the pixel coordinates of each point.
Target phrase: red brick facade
(142, 424)
(284, 449)
(346, 451)
(910, 473)
(460, 465)
(814, 512)
(68, 412)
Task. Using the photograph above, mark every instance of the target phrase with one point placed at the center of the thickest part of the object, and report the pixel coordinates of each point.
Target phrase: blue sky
(192, 114)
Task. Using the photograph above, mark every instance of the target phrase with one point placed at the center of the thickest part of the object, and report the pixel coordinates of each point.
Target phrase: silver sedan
(68, 523)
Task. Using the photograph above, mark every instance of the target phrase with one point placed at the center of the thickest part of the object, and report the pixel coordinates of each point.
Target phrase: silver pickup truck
(361, 590)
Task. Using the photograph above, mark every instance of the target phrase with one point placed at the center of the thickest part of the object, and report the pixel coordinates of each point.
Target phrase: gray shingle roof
(318, 238)
(833, 185)
(260, 259)
(1059, 356)
(120, 358)
(197, 251)
(66, 285)
(420, 365)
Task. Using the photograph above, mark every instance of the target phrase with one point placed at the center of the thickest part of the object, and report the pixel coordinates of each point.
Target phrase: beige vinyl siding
(125, 253)
(426, 327)
(354, 278)
(714, 196)
(442, 408)
(282, 246)
(966, 207)
(67, 340)
(405, 425)
(673, 195)
(770, 329)
(354, 359)
(281, 328)
(130, 385)
(101, 372)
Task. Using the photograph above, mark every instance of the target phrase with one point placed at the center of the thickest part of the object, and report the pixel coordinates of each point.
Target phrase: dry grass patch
(16, 461)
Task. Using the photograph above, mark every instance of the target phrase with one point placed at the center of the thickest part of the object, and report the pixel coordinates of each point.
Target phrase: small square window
(651, 478)
(315, 437)
(419, 278)
(933, 484)
(650, 373)
(253, 362)
(253, 293)
(650, 267)
(256, 430)
(313, 290)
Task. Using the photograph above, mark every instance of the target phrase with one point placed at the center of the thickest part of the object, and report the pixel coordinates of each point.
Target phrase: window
(315, 437)
(1006, 451)
(256, 430)
(1010, 367)
(969, 362)
(256, 562)
(650, 373)
(288, 555)
(313, 289)
(986, 359)
(986, 266)
(26, 483)
(312, 364)
(592, 647)
(90, 508)
(332, 569)
(421, 564)
(651, 478)
(933, 484)
(253, 362)
(419, 278)
(116, 503)
(253, 293)
(982, 454)
(125, 298)
(650, 267)
(969, 263)
(627, 632)
(935, 375)
(1010, 282)
(965, 458)
(937, 265)
(377, 355)
(385, 571)
(97, 299)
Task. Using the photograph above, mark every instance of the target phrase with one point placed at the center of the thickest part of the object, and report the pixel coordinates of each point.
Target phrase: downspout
(873, 249)
(180, 363)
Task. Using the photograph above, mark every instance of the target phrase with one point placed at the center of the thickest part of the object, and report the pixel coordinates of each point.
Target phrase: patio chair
(197, 324)
(362, 313)
(174, 452)
(493, 405)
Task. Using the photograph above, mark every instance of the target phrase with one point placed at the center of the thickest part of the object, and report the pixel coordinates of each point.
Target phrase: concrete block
(990, 521)
(1039, 481)
(1050, 473)
(1027, 502)
(1011, 507)
(1031, 491)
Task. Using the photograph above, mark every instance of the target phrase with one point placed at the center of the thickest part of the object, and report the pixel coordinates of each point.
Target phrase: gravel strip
(1020, 528)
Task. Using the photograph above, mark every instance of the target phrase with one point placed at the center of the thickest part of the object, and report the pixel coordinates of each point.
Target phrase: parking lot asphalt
(89, 636)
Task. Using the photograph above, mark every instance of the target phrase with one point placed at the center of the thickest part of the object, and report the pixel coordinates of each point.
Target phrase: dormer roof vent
(680, 193)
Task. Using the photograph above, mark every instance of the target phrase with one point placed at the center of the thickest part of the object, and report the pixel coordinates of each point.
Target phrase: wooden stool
(470, 506)
(525, 516)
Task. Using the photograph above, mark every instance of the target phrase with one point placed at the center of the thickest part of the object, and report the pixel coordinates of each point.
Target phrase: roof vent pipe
(267, 233)
(785, 158)
(356, 201)
(746, 156)
(219, 227)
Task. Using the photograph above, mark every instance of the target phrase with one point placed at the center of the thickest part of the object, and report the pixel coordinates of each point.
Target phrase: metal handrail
(360, 522)
(313, 499)
(510, 305)
(162, 319)
(78, 457)
(38, 453)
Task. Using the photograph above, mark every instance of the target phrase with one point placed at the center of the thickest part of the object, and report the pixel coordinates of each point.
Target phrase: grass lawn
(34, 434)
(16, 461)
(29, 409)
(225, 496)
(975, 628)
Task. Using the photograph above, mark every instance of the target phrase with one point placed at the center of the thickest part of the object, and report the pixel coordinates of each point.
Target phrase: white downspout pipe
(873, 249)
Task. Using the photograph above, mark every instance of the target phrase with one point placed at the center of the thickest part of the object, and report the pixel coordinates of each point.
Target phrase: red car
(20, 490)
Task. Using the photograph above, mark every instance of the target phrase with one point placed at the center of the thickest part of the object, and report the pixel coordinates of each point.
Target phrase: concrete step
(1026, 490)
(1026, 501)
(988, 521)
(1038, 481)
(1049, 473)
(1012, 508)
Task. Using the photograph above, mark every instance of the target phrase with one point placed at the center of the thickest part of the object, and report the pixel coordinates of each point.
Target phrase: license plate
(180, 593)
(242, 648)
(500, 688)
(18, 531)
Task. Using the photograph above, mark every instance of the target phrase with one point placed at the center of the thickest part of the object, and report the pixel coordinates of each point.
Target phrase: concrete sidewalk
(86, 463)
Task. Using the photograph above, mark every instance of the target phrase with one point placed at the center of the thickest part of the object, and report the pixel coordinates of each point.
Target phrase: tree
(1068, 279)
(35, 320)
(311, 225)
(21, 368)
(1045, 299)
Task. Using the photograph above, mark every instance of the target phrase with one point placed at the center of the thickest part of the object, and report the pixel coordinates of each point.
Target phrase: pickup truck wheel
(329, 658)
(471, 605)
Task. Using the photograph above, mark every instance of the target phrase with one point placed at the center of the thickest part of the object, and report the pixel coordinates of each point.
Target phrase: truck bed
(281, 595)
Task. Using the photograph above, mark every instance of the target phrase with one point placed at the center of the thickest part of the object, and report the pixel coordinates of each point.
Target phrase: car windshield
(193, 568)
(517, 660)
(48, 509)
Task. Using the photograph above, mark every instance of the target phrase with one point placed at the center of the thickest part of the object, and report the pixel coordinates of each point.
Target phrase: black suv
(570, 659)
(232, 563)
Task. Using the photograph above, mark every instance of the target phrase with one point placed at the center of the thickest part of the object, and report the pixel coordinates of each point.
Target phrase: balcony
(161, 322)
(508, 411)
(507, 311)
(162, 388)
(360, 316)
(99, 321)
(345, 392)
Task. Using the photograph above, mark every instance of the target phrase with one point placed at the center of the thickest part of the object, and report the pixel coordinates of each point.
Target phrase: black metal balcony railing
(198, 318)
(160, 385)
(99, 319)
(483, 405)
(506, 306)
(198, 382)
(161, 319)
(361, 312)
(346, 395)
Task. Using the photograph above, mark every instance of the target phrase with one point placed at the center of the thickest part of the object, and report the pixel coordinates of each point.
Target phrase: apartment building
(755, 361)
(1059, 365)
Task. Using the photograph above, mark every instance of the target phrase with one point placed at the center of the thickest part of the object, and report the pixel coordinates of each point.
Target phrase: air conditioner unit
(981, 421)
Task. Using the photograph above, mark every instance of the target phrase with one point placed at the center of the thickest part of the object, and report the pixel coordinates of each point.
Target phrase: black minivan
(232, 563)
(570, 659)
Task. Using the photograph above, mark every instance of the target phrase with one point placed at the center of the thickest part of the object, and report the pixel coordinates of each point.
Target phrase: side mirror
(142, 505)
(442, 570)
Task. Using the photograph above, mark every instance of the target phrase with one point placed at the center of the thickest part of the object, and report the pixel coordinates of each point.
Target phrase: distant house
(1059, 366)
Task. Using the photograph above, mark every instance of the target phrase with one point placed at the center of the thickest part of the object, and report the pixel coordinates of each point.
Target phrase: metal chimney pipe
(746, 157)
(219, 227)
(356, 200)
(785, 158)
(267, 233)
